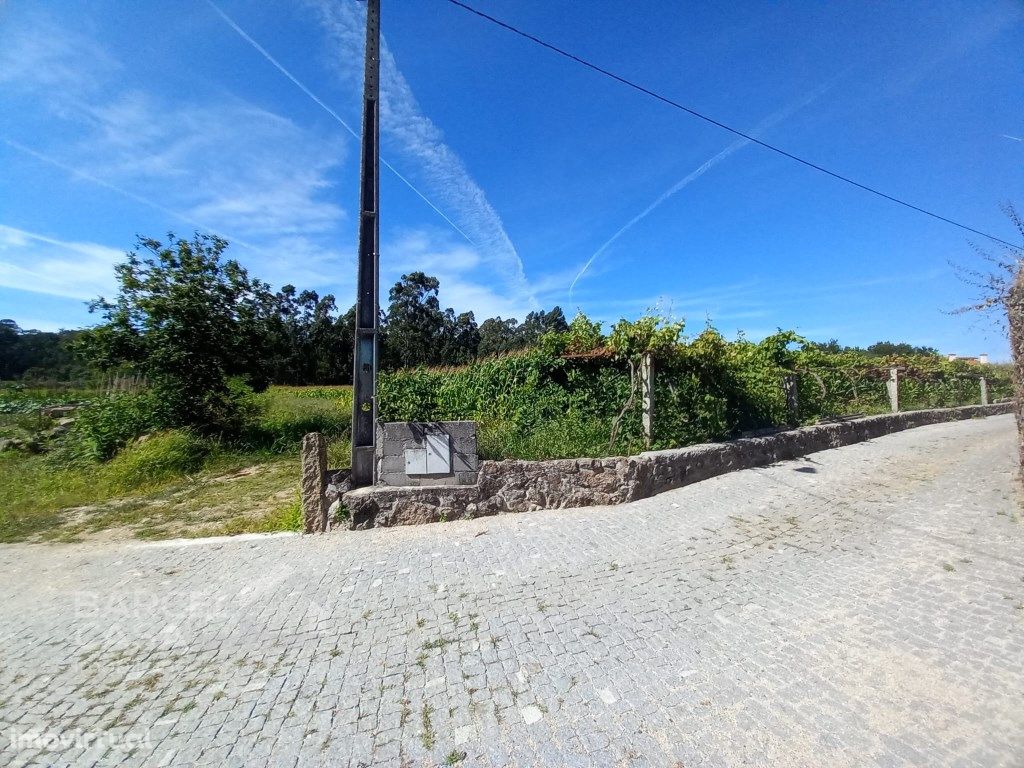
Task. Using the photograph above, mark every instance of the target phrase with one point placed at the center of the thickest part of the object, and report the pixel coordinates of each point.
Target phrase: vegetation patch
(172, 429)
(562, 400)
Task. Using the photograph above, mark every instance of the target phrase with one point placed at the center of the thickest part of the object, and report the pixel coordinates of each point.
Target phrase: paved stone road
(864, 606)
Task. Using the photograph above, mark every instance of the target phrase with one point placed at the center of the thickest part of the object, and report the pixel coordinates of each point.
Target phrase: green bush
(104, 427)
(561, 398)
(156, 458)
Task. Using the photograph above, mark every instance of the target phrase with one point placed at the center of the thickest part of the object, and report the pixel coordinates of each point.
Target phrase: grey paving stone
(866, 612)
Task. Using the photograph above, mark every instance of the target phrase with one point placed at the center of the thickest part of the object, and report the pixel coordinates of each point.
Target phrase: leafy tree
(498, 336)
(831, 347)
(415, 323)
(36, 354)
(9, 338)
(189, 321)
(461, 338)
(342, 345)
(306, 343)
(539, 322)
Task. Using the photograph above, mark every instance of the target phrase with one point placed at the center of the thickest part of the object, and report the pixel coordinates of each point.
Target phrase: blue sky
(125, 118)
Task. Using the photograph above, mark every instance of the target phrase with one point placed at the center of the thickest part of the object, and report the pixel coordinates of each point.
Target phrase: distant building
(981, 359)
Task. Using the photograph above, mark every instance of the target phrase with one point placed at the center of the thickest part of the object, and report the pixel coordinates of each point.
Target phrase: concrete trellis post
(790, 390)
(647, 397)
(984, 390)
(893, 386)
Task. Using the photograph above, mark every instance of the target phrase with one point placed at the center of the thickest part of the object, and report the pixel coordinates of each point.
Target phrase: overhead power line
(672, 103)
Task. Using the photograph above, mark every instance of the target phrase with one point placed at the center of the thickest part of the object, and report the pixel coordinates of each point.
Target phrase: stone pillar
(984, 390)
(314, 483)
(893, 386)
(647, 395)
(790, 390)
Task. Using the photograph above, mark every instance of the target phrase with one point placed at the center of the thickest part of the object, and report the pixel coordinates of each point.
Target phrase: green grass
(427, 727)
(570, 436)
(54, 394)
(160, 457)
(288, 413)
(231, 493)
(175, 484)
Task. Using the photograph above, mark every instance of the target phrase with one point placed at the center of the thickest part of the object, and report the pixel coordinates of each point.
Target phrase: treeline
(416, 331)
(299, 337)
(37, 355)
(878, 349)
(305, 340)
(185, 314)
(180, 301)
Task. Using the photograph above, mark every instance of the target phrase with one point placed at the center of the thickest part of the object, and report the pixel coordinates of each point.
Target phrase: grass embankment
(173, 483)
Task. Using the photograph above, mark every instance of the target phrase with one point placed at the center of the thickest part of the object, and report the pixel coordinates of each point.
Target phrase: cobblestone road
(863, 606)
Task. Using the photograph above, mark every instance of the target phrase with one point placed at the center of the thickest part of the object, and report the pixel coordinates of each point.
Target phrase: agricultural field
(171, 483)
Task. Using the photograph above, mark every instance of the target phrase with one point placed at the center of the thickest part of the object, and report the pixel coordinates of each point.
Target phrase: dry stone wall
(522, 486)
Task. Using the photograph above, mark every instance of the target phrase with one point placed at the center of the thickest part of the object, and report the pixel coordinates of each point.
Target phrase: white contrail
(80, 174)
(443, 171)
(1012, 138)
(689, 178)
(280, 68)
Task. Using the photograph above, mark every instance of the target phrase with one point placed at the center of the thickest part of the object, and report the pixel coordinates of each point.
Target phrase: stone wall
(522, 486)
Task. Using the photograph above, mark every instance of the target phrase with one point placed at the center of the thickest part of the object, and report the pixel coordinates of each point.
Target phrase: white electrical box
(415, 461)
(439, 454)
(435, 458)
(411, 453)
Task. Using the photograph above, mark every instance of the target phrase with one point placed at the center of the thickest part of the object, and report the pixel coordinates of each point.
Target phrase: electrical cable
(672, 103)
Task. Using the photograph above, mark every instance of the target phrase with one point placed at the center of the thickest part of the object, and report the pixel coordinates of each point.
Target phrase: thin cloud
(443, 172)
(961, 38)
(751, 299)
(225, 166)
(30, 261)
(302, 87)
(39, 52)
(234, 164)
(78, 173)
(695, 174)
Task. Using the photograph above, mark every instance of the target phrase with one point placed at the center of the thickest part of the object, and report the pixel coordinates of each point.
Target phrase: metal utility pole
(364, 370)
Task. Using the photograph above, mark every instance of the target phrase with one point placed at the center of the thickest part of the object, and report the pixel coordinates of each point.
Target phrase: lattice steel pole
(364, 371)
